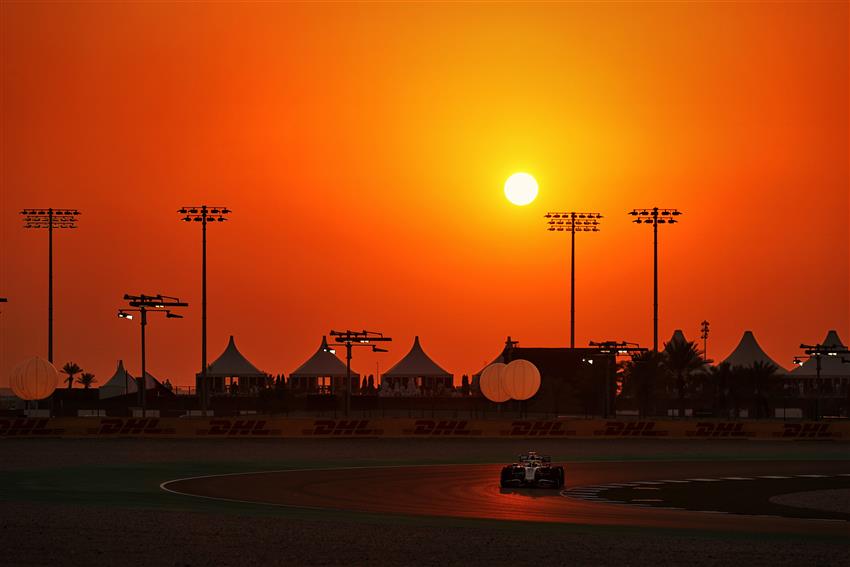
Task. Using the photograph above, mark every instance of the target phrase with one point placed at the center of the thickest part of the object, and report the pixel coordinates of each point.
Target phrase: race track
(472, 491)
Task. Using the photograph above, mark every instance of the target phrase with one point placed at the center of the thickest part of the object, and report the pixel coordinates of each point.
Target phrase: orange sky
(363, 150)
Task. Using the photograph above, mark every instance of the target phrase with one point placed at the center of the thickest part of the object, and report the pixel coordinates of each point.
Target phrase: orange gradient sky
(363, 148)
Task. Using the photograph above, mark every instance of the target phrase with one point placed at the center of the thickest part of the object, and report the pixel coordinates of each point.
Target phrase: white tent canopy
(123, 383)
(232, 363)
(678, 337)
(322, 363)
(830, 365)
(748, 352)
(416, 364)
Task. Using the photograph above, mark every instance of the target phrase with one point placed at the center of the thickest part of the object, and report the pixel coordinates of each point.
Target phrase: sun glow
(520, 189)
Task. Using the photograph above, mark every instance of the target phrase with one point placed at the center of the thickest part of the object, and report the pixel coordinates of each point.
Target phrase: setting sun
(521, 189)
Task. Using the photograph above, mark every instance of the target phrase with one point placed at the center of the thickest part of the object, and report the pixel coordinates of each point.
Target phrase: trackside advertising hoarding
(273, 427)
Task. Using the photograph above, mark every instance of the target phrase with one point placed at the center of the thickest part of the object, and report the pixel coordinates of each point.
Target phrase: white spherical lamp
(521, 379)
(491, 383)
(34, 379)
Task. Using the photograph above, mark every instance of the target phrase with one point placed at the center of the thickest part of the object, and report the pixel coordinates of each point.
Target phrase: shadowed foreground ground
(85, 502)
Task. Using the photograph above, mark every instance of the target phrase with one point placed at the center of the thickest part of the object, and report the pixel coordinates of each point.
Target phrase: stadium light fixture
(572, 222)
(655, 216)
(204, 214)
(51, 219)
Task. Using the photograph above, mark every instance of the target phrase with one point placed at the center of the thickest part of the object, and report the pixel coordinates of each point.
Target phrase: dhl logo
(238, 427)
(538, 429)
(806, 430)
(631, 429)
(131, 426)
(27, 426)
(342, 427)
(723, 429)
(433, 427)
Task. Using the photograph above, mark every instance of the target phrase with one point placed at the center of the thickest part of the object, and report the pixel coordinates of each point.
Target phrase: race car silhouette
(532, 470)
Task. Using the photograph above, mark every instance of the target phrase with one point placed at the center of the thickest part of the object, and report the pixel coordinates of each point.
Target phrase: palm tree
(87, 379)
(643, 377)
(761, 378)
(718, 381)
(683, 358)
(71, 369)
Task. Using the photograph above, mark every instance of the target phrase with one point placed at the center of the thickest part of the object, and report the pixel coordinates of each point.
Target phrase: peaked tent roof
(678, 337)
(232, 363)
(123, 383)
(322, 363)
(748, 352)
(416, 364)
(830, 365)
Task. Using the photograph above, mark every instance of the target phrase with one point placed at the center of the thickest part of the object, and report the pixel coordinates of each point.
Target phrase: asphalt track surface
(473, 491)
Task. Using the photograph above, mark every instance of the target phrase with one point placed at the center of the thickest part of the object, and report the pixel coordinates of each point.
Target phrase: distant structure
(748, 352)
(322, 373)
(232, 365)
(677, 337)
(834, 374)
(572, 380)
(123, 383)
(417, 370)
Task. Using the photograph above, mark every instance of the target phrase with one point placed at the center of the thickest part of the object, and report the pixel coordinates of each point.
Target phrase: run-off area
(749, 495)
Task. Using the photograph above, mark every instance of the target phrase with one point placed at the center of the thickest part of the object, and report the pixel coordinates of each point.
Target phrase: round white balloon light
(491, 383)
(34, 379)
(521, 379)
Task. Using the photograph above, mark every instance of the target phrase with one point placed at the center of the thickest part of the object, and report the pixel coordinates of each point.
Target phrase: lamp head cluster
(47, 218)
(360, 338)
(572, 221)
(822, 350)
(655, 216)
(617, 348)
(204, 213)
(157, 301)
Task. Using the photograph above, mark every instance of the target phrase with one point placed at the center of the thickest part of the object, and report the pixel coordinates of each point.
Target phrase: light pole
(572, 222)
(143, 304)
(655, 216)
(352, 339)
(50, 219)
(704, 336)
(204, 214)
(610, 349)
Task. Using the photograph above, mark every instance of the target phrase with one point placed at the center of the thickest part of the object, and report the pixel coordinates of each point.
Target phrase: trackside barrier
(258, 427)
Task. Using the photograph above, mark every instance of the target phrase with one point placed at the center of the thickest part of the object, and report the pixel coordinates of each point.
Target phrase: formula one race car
(532, 470)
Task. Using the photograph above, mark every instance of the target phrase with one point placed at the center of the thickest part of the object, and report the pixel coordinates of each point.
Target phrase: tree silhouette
(71, 369)
(87, 379)
(682, 359)
(718, 382)
(758, 381)
(643, 377)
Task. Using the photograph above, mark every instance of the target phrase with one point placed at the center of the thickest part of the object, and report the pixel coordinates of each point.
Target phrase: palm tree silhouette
(87, 379)
(718, 381)
(759, 384)
(683, 358)
(644, 376)
(71, 369)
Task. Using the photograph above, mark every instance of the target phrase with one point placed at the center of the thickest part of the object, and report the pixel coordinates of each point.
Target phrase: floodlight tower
(655, 216)
(704, 336)
(50, 219)
(352, 339)
(143, 304)
(204, 214)
(573, 222)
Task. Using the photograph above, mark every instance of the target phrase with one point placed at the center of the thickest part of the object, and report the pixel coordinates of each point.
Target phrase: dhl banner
(274, 427)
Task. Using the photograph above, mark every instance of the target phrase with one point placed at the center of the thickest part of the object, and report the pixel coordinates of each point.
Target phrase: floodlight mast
(572, 222)
(50, 218)
(615, 349)
(655, 216)
(204, 214)
(352, 339)
(156, 304)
